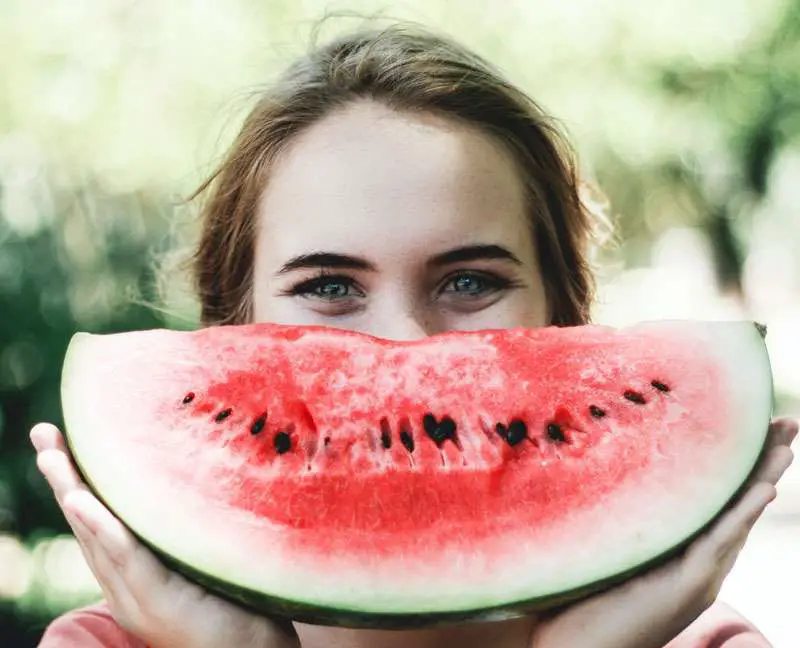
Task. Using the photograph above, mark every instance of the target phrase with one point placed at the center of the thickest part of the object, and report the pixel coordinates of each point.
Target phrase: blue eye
(468, 284)
(332, 289)
(471, 284)
(328, 288)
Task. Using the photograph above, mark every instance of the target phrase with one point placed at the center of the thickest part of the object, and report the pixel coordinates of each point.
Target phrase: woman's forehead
(373, 181)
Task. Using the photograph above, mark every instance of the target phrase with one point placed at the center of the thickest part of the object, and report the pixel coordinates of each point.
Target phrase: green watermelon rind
(293, 610)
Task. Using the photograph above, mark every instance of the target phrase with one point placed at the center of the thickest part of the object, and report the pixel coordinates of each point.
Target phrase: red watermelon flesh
(337, 477)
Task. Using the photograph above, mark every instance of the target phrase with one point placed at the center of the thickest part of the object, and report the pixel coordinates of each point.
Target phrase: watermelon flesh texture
(338, 478)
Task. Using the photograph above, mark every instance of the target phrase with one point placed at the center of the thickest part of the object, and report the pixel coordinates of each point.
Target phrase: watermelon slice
(337, 478)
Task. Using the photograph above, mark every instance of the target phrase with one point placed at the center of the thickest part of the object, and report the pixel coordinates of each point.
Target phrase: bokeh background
(687, 113)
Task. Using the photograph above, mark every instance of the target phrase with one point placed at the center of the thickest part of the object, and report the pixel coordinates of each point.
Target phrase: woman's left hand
(650, 610)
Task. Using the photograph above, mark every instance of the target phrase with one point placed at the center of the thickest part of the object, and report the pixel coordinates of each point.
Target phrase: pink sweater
(94, 627)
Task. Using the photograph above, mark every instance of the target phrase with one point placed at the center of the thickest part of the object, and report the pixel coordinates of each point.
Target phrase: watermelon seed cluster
(439, 430)
(282, 440)
(635, 397)
(631, 395)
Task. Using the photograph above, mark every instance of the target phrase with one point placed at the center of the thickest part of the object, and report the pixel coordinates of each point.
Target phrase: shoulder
(88, 627)
(720, 626)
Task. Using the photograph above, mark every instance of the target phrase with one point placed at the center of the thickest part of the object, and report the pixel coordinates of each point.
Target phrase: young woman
(393, 183)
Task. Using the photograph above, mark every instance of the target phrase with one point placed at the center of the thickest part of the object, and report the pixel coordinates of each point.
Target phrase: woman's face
(397, 225)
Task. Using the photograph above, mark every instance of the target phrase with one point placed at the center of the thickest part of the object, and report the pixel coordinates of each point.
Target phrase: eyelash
(307, 288)
(491, 282)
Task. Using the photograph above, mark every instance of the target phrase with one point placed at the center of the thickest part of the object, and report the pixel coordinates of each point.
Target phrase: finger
(728, 559)
(55, 464)
(135, 563)
(59, 473)
(62, 479)
(106, 569)
(784, 431)
(729, 528)
(774, 465)
(46, 436)
(108, 530)
(776, 456)
(87, 544)
(115, 591)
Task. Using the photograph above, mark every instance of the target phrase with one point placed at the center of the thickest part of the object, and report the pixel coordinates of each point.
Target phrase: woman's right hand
(656, 607)
(148, 600)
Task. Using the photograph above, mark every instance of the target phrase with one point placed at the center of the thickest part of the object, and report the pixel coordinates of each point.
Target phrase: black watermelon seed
(223, 415)
(447, 427)
(502, 430)
(659, 386)
(555, 433)
(439, 431)
(327, 441)
(596, 411)
(188, 398)
(386, 433)
(407, 441)
(517, 432)
(258, 424)
(283, 442)
(430, 425)
(634, 397)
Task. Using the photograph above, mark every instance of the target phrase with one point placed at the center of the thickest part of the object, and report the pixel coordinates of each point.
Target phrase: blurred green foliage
(692, 140)
(40, 290)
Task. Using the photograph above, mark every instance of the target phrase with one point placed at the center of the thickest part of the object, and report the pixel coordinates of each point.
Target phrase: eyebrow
(326, 260)
(474, 253)
(348, 262)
